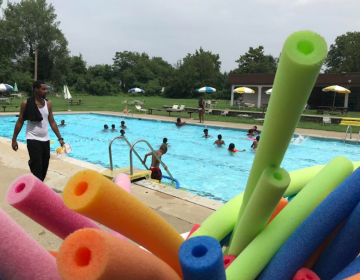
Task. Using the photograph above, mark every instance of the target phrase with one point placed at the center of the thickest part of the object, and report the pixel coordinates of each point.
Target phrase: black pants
(39, 153)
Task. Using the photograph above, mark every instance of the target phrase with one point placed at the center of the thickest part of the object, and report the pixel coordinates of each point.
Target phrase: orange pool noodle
(281, 205)
(93, 254)
(54, 254)
(96, 197)
(354, 277)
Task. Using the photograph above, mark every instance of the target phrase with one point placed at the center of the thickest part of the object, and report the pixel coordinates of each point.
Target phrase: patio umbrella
(206, 89)
(135, 89)
(5, 87)
(67, 95)
(244, 90)
(15, 88)
(269, 91)
(336, 89)
(49, 88)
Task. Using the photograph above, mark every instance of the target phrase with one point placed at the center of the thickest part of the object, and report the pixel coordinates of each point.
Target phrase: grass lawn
(114, 103)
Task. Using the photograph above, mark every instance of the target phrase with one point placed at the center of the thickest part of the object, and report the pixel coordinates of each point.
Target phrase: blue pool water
(200, 167)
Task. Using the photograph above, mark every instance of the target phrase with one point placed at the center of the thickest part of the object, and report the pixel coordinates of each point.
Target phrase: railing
(153, 151)
(110, 154)
(349, 127)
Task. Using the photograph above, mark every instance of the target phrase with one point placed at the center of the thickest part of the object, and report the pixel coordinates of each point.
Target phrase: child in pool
(219, 142)
(255, 143)
(250, 133)
(232, 149)
(206, 135)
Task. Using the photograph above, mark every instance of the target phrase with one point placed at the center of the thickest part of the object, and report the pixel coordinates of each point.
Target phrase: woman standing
(201, 109)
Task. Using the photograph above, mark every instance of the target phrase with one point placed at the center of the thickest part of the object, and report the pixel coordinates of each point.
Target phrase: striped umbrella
(336, 89)
(244, 90)
(5, 87)
(269, 91)
(136, 90)
(206, 89)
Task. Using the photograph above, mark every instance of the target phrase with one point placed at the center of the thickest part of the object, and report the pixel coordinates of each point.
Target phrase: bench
(75, 101)
(350, 121)
(4, 107)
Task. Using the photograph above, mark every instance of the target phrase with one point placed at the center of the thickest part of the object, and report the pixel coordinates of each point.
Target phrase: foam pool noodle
(281, 205)
(301, 59)
(21, 257)
(354, 277)
(91, 194)
(321, 222)
(305, 274)
(90, 254)
(267, 194)
(259, 252)
(32, 197)
(352, 269)
(201, 259)
(344, 247)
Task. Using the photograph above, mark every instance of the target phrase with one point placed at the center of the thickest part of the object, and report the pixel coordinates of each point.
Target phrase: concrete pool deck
(182, 210)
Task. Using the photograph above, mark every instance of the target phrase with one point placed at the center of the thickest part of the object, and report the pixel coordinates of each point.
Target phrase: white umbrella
(269, 91)
(67, 94)
(136, 90)
(5, 87)
(206, 89)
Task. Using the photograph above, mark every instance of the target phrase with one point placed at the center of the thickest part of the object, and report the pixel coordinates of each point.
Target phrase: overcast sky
(173, 28)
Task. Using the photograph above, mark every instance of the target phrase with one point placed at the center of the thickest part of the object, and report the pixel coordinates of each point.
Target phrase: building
(262, 82)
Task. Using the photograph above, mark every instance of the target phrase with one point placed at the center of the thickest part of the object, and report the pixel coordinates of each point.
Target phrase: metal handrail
(110, 154)
(350, 133)
(357, 140)
(147, 143)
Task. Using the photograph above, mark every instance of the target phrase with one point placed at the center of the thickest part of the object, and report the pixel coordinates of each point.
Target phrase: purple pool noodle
(201, 259)
(350, 270)
(342, 250)
(21, 257)
(36, 200)
(311, 233)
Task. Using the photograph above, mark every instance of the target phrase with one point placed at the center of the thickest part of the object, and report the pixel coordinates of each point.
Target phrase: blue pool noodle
(342, 250)
(311, 233)
(201, 259)
(350, 270)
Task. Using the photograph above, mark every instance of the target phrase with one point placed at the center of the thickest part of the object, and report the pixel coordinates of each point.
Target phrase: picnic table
(170, 111)
(75, 101)
(331, 109)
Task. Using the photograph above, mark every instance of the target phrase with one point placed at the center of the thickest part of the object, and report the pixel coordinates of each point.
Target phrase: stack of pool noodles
(267, 237)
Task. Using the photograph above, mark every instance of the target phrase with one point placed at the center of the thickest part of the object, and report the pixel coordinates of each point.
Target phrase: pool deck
(182, 210)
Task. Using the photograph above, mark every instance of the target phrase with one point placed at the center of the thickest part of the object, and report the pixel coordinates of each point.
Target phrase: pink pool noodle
(305, 274)
(21, 257)
(124, 182)
(33, 198)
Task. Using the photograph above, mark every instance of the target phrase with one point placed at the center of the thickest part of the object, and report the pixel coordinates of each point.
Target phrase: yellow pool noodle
(96, 197)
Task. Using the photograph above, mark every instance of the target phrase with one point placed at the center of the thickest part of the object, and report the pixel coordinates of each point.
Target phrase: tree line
(32, 25)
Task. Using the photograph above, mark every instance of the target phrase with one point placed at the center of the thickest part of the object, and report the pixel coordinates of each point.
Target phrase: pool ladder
(346, 133)
(133, 150)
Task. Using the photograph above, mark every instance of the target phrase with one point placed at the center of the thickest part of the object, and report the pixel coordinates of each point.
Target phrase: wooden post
(36, 62)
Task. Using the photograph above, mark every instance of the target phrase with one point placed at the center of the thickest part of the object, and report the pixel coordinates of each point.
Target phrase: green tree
(255, 61)
(32, 24)
(344, 55)
(196, 70)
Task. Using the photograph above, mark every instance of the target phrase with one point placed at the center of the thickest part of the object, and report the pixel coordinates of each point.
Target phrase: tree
(344, 55)
(196, 70)
(31, 25)
(255, 61)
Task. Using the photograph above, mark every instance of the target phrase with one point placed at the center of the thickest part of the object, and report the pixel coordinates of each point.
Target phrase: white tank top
(39, 130)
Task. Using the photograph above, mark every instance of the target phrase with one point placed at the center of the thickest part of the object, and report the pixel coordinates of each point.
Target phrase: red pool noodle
(36, 200)
(228, 259)
(90, 254)
(21, 257)
(195, 228)
(305, 274)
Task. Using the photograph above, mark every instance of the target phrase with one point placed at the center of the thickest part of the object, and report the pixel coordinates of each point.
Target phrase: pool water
(201, 167)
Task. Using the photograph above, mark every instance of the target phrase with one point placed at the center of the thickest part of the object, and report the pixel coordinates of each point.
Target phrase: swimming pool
(200, 167)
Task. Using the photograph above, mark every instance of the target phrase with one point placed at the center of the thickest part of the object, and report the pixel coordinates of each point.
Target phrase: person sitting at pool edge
(232, 148)
(219, 142)
(255, 131)
(179, 122)
(106, 127)
(255, 143)
(122, 132)
(206, 135)
(62, 124)
(250, 133)
(155, 163)
(123, 126)
(113, 128)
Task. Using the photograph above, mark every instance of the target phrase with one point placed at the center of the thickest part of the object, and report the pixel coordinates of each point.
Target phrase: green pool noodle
(267, 194)
(259, 252)
(220, 223)
(300, 62)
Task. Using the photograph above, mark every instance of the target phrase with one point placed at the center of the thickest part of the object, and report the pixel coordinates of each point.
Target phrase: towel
(32, 112)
